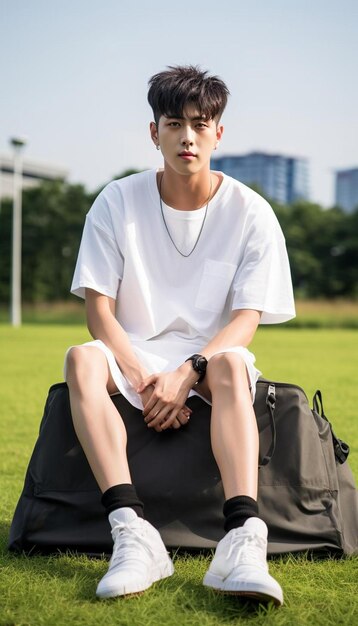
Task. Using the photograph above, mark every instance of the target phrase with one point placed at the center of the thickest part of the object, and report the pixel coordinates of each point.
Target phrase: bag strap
(341, 449)
(318, 404)
(271, 404)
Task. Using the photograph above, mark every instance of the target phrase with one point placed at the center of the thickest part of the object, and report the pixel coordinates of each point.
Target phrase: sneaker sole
(131, 590)
(251, 595)
(265, 595)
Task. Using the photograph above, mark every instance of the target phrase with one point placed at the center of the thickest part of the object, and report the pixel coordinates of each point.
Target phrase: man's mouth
(186, 154)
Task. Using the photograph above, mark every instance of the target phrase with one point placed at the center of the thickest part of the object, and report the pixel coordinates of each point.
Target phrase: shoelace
(126, 542)
(250, 549)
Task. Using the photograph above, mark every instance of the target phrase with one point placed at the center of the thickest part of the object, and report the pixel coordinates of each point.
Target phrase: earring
(157, 146)
(216, 147)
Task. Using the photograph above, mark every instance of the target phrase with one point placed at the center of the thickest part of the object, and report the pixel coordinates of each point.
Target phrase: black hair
(179, 86)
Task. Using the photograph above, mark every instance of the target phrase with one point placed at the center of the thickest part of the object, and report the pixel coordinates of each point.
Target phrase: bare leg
(139, 555)
(97, 423)
(239, 565)
(234, 434)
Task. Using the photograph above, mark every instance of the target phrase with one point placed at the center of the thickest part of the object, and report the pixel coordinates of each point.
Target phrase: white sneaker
(139, 556)
(239, 565)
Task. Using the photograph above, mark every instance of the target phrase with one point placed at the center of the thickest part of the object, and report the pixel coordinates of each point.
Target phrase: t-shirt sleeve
(100, 261)
(263, 278)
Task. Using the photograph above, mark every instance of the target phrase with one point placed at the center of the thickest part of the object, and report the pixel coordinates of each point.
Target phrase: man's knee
(80, 361)
(226, 368)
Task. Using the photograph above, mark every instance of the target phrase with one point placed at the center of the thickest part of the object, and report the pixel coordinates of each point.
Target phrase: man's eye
(201, 125)
(173, 124)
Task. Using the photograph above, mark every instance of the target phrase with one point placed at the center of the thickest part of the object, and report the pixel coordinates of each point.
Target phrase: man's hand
(166, 407)
(181, 419)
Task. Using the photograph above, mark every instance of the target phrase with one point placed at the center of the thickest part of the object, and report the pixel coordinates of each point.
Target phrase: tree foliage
(322, 244)
(53, 218)
(323, 249)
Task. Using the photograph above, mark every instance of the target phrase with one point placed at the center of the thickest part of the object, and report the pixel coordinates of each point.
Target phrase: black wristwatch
(199, 363)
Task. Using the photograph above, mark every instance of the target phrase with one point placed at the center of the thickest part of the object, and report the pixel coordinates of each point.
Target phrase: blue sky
(74, 79)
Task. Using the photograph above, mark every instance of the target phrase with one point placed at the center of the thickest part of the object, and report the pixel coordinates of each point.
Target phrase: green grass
(325, 314)
(310, 313)
(59, 590)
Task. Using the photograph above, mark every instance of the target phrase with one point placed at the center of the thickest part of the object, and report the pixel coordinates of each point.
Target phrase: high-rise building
(347, 189)
(33, 173)
(280, 178)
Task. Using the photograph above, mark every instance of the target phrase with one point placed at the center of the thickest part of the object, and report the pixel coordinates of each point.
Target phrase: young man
(178, 267)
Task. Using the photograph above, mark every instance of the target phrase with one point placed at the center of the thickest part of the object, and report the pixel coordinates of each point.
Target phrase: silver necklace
(202, 224)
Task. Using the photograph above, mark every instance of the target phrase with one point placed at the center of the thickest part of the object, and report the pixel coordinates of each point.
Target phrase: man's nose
(187, 137)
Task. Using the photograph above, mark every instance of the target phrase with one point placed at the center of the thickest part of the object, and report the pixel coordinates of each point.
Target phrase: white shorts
(126, 389)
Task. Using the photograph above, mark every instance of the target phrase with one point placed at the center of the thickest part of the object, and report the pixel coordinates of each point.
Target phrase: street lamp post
(18, 143)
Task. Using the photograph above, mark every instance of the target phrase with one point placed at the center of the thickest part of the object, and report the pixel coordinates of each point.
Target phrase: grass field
(59, 590)
(310, 313)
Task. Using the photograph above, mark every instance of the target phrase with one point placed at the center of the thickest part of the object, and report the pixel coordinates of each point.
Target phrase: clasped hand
(164, 396)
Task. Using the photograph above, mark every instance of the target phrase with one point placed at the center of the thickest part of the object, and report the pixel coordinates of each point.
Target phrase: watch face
(200, 364)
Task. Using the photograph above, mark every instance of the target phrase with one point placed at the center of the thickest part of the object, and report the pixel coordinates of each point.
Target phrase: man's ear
(154, 133)
(219, 131)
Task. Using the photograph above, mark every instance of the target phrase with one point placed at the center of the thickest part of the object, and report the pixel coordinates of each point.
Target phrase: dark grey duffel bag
(306, 489)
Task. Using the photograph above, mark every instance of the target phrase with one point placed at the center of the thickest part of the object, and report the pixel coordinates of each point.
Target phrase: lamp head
(18, 142)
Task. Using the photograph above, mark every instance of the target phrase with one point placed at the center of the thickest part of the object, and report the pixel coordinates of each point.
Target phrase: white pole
(16, 234)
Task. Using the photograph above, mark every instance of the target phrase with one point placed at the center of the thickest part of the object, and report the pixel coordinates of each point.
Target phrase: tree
(53, 217)
(322, 244)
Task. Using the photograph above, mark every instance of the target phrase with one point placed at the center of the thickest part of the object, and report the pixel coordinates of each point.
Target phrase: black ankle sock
(122, 495)
(237, 510)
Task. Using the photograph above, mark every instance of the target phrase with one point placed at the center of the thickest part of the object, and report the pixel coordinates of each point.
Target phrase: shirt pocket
(214, 285)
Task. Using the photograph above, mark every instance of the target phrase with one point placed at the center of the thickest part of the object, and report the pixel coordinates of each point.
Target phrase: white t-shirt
(171, 306)
(184, 226)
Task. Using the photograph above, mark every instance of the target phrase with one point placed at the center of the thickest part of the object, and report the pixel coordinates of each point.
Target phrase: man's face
(186, 143)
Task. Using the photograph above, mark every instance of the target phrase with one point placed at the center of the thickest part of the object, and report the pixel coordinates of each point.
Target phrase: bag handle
(318, 404)
(271, 404)
(341, 449)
